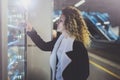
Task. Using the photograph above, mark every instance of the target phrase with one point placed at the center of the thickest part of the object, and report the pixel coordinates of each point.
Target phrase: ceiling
(59, 4)
(109, 6)
(105, 6)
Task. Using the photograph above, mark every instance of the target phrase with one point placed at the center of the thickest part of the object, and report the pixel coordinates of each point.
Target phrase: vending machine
(20, 59)
(16, 40)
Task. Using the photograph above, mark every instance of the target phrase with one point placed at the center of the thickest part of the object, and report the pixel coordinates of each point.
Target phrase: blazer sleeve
(40, 43)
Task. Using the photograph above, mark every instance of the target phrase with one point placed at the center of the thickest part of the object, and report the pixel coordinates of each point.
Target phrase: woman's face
(60, 24)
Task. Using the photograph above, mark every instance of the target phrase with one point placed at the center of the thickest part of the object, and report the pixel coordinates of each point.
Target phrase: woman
(69, 57)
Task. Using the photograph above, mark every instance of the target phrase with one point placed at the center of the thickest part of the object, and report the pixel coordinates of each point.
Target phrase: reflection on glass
(16, 41)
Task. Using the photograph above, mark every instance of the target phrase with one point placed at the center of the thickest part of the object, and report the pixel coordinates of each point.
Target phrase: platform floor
(103, 69)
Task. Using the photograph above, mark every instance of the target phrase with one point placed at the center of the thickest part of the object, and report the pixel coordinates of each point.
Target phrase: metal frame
(0, 44)
(3, 39)
(119, 30)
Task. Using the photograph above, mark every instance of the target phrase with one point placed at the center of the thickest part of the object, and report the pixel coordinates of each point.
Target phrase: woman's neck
(65, 34)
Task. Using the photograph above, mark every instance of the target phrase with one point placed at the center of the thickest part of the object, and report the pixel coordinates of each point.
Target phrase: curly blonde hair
(75, 25)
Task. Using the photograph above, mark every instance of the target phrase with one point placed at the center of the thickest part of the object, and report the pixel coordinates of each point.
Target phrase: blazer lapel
(65, 61)
(53, 56)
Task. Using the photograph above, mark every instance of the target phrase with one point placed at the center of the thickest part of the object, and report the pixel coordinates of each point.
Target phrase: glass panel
(16, 41)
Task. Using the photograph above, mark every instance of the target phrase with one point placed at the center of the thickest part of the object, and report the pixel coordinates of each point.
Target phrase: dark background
(106, 6)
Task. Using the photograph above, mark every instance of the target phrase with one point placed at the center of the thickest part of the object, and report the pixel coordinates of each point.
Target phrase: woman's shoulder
(78, 45)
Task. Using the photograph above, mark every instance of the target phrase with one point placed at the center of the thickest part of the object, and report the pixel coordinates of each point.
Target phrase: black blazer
(78, 69)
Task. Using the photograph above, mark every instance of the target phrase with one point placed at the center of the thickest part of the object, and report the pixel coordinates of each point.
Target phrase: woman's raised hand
(28, 27)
